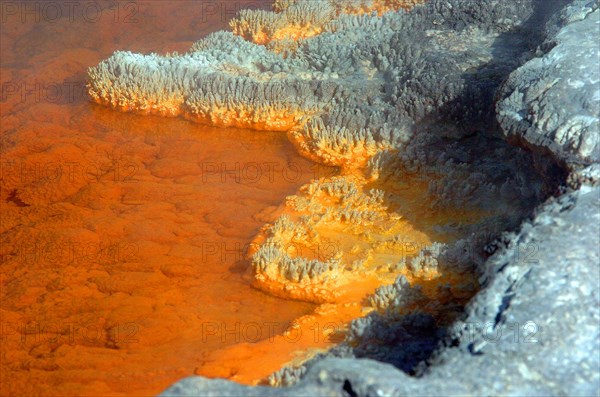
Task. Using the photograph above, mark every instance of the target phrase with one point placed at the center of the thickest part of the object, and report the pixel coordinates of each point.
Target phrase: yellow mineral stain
(357, 231)
(293, 21)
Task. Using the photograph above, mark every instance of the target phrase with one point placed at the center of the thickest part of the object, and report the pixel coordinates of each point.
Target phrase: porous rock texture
(552, 101)
(533, 328)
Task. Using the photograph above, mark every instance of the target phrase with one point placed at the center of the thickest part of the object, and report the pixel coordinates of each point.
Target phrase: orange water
(123, 236)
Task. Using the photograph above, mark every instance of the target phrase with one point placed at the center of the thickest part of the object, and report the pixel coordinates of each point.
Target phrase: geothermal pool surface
(124, 236)
(122, 240)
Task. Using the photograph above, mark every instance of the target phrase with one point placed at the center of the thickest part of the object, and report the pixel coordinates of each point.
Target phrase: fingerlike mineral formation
(294, 20)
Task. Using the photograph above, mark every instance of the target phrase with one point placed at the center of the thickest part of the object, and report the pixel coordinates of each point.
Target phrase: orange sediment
(124, 237)
(251, 363)
(111, 278)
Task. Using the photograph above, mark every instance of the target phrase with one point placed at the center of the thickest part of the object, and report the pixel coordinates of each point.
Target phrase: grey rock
(539, 312)
(553, 101)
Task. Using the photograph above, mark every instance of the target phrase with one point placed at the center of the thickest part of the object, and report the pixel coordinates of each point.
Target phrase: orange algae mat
(124, 237)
